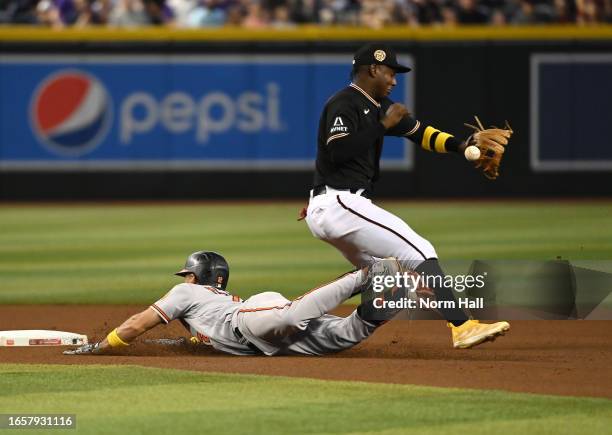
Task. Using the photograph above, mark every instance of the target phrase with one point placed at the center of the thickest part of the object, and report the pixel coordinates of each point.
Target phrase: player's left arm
(172, 306)
(121, 336)
(491, 142)
(427, 136)
(133, 327)
(421, 133)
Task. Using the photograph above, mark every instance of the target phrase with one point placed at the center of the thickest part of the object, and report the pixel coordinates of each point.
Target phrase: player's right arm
(395, 114)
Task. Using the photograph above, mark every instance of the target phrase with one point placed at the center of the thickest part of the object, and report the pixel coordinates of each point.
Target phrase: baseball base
(34, 337)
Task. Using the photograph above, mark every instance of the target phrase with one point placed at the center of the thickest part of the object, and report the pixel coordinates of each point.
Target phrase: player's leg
(363, 231)
(325, 217)
(329, 334)
(259, 321)
(364, 228)
(378, 232)
(464, 331)
(268, 319)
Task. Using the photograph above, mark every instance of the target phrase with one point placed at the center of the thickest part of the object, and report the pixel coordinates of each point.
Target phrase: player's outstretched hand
(86, 349)
(395, 113)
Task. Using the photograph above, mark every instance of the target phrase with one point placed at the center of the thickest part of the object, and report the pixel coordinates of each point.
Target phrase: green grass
(135, 400)
(127, 253)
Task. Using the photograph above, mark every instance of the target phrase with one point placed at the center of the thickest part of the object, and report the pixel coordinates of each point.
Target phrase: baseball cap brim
(183, 272)
(399, 68)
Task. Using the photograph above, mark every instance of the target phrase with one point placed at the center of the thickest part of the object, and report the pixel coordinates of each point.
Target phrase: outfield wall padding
(554, 88)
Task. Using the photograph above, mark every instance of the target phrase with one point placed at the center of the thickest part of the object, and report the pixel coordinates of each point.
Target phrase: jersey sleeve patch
(336, 136)
(341, 121)
(338, 129)
(338, 126)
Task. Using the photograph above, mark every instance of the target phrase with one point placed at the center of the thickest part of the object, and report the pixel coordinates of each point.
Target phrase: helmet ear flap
(220, 273)
(220, 280)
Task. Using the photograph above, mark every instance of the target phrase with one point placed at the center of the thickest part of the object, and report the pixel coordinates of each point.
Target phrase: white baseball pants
(363, 231)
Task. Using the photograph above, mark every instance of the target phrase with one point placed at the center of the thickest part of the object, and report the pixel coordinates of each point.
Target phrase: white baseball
(472, 153)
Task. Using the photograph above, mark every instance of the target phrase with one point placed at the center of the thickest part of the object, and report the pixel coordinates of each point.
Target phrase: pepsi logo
(71, 113)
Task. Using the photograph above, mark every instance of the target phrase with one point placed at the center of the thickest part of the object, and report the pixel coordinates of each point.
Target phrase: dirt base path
(552, 357)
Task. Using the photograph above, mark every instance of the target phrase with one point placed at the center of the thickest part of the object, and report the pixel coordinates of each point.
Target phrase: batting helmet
(209, 268)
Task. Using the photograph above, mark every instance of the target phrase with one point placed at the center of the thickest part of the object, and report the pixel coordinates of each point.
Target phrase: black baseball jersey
(350, 139)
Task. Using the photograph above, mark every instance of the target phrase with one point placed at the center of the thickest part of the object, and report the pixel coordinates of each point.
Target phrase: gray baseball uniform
(268, 322)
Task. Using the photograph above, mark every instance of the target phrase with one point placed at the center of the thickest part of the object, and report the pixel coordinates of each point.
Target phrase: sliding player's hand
(86, 349)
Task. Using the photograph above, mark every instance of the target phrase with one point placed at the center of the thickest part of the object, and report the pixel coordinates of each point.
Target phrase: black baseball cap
(378, 54)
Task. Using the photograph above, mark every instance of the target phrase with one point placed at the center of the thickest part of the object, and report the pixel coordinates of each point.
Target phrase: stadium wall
(232, 113)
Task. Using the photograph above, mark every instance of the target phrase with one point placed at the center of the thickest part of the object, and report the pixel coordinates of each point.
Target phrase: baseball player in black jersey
(352, 128)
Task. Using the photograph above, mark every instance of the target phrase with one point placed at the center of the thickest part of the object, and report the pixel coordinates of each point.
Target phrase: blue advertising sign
(570, 99)
(172, 112)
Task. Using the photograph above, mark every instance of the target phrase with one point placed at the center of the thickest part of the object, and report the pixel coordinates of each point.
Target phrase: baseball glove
(491, 142)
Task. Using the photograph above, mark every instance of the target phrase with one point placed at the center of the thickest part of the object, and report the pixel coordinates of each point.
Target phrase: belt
(323, 189)
(246, 342)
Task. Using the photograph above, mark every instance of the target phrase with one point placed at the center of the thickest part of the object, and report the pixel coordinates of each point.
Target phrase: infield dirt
(550, 357)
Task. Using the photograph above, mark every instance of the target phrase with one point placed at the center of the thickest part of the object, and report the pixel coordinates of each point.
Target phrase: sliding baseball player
(266, 323)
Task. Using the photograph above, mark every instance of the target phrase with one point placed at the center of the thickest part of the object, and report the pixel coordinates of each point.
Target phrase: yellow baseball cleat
(473, 332)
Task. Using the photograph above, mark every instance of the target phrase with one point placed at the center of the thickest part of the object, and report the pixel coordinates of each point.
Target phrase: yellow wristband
(440, 145)
(114, 340)
(425, 142)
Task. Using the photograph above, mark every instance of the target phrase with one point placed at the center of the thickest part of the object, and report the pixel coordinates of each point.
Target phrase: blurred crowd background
(287, 13)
